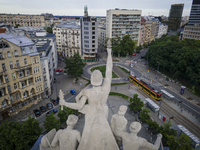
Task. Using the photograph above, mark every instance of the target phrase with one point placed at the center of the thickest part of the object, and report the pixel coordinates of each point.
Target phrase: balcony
(18, 67)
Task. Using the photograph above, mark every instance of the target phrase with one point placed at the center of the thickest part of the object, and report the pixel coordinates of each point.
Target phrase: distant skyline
(95, 8)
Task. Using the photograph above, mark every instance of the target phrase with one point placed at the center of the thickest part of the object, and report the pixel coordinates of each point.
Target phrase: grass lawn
(126, 71)
(103, 71)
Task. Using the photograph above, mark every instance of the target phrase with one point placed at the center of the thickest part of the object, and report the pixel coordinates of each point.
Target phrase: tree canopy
(135, 103)
(180, 58)
(123, 46)
(74, 65)
(19, 136)
(51, 122)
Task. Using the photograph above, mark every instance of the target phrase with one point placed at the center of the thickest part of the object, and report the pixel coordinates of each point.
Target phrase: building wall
(191, 32)
(21, 85)
(101, 35)
(23, 20)
(122, 22)
(89, 29)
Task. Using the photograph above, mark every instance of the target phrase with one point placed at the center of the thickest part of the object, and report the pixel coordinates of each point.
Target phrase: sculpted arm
(80, 102)
(109, 66)
(55, 141)
(156, 144)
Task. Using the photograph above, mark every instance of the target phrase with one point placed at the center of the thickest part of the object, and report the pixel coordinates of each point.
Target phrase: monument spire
(85, 11)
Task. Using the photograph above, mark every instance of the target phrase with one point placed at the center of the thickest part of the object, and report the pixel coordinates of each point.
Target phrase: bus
(145, 87)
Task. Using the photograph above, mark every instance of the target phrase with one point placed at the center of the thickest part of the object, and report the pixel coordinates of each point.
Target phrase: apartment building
(162, 29)
(192, 30)
(102, 35)
(142, 31)
(120, 22)
(68, 38)
(89, 36)
(21, 82)
(23, 20)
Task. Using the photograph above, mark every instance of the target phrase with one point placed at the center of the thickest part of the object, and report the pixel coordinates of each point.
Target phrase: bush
(118, 94)
(113, 84)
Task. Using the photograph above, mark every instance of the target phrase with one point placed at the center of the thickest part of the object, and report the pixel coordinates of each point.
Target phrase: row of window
(37, 79)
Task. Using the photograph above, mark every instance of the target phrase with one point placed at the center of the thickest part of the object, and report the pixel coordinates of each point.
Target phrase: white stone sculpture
(119, 123)
(68, 138)
(132, 142)
(46, 141)
(97, 134)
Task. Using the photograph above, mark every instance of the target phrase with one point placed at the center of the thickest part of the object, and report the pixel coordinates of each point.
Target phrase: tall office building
(120, 22)
(89, 36)
(192, 30)
(175, 16)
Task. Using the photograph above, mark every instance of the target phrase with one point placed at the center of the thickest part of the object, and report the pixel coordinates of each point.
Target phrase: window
(86, 32)
(86, 23)
(8, 54)
(1, 56)
(23, 51)
(19, 105)
(38, 69)
(21, 74)
(23, 84)
(29, 81)
(85, 41)
(31, 49)
(8, 87)
(6, 78)
(44, 69)
(45, 78)
(25, 103)
(45, 85)
(11, 99)
(25, 61)
(37, 59)
(39, 78)
(86, 28)
(4, 67)
(27, 72)
(15, 86)
(35, 80)
(36, 89)
(86, 46)
(34, 70)
(86, 37)
(41, 87)
(3, 104)
(31, 92)
(11, 64)
(17, 63)
(25, 94)
(33, 60)
(1, 92)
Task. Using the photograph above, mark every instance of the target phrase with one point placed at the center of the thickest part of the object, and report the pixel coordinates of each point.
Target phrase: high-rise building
(23, 20)
(120, 22)
(21, 81)
(192, 30)
(175, 16)
(89, 36)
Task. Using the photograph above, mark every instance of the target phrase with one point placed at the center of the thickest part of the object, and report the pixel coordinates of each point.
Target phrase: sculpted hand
(159, 135)
(61, 102)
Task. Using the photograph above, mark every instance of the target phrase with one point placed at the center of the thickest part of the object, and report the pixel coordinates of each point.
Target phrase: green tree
(51, 122)
(172, 142)
(145, 45)
(63, 114)
(17, 25)
(127, 45)
(144, 115)
(139, 48)
(184, 142)
(193, 90)
(74, 66)
(19, 136)
(135, 103)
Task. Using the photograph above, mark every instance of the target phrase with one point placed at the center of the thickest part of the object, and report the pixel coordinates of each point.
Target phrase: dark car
(43, 108)
(55, 102)
(73, 92)
(49, 106)
(51, 111)
(37, 112)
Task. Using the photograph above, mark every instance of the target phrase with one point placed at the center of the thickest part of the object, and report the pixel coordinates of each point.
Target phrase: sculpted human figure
(119, 123)
(97, 134)
(132, 142)
(68, 138)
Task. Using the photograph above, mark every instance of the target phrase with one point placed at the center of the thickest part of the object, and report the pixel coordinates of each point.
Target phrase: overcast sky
(95, 7)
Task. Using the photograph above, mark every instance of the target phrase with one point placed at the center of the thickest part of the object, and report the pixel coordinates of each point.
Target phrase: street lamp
(159, 108)
(157, 69)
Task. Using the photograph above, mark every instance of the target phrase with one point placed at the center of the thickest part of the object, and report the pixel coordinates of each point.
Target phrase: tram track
(168, 111)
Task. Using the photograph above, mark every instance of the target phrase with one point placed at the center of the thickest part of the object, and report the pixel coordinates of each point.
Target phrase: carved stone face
(135, 127)
(72, 120)
(96, 78)
(122, 110)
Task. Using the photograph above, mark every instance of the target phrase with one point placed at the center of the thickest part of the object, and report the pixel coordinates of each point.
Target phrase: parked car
(59, 70)
(134, 54)
(49, 106)
(43, 109)
(51, 111)
(37, 112)
(55, 102)
(73, 92)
